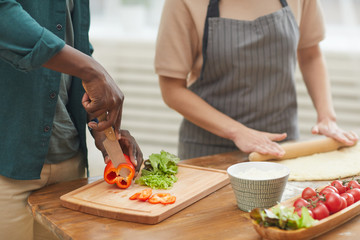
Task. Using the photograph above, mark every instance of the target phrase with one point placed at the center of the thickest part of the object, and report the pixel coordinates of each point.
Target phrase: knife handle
(109, 132)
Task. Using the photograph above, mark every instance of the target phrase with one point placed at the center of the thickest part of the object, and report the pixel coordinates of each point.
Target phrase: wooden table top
(213, 217)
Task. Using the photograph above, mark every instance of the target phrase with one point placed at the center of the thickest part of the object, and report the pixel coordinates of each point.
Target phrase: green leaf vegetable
(159, 171)
(282, 217)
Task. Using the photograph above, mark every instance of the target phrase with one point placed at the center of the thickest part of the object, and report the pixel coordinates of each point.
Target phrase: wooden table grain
(213, 217)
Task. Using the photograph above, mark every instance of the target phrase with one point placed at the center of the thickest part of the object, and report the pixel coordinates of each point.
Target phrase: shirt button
(46, 128)
(59, 27)
(53, 95)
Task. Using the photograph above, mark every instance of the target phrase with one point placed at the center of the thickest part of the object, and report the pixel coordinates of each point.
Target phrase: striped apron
(248, 74)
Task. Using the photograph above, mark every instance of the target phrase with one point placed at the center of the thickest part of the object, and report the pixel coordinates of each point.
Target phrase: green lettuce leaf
(306, 220)
(282, 217)
(160, 170)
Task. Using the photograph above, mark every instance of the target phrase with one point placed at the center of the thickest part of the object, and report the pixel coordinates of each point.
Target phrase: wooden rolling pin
(300, 149)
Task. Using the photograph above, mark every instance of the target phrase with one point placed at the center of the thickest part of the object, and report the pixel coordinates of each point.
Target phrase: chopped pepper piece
(163, 198)
(143, 195)
(122, 175)
(135, 196)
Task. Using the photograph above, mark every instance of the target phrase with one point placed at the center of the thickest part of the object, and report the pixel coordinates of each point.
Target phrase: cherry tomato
(343, 203)
(333, 188)
(353, 184)
(355, 192)
(339, 186)
(298, 211)
(308, 193)
(348, 197)
(300, 202)
(333, 202)
(326, 190)
(320, 211)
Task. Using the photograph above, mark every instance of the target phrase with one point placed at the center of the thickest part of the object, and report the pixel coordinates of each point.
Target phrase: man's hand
(102, 93)
(103, 96)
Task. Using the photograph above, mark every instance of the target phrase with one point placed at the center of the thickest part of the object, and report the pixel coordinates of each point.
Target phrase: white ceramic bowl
(258, 184)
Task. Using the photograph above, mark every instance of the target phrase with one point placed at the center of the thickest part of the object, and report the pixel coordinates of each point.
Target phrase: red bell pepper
(122, 175)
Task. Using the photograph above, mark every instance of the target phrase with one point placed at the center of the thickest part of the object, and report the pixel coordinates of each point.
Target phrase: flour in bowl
(259, 174)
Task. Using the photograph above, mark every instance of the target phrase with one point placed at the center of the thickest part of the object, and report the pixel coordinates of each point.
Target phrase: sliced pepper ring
(135, 196)
(143, 195)
(163, 198)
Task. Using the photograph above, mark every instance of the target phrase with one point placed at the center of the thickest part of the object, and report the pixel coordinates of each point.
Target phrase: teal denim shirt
(31, 32)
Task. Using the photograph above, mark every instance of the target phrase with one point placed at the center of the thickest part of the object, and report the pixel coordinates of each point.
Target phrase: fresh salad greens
(282, 217)
(159, 171)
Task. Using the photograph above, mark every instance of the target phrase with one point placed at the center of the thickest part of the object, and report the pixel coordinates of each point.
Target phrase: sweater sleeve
(23, 42)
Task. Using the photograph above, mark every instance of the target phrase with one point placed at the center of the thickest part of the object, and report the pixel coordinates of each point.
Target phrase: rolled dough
(325, 166)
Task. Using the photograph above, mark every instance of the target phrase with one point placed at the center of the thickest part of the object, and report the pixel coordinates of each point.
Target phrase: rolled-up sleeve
(23, 42)
(312, 25)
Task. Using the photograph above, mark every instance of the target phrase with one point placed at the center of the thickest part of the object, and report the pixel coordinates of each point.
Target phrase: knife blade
(112, 145)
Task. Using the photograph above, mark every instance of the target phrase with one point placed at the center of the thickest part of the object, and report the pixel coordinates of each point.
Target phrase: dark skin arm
(102, 94)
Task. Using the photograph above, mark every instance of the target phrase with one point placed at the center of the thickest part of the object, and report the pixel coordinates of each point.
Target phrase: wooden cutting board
(101, 199)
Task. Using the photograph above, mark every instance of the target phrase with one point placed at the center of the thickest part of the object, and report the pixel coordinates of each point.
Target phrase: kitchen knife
(299, 149)
(112, 145)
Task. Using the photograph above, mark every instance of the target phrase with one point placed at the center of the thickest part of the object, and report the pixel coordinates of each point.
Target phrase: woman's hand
(127, 143)
(250, 140)
(312, 65)
(329, 128)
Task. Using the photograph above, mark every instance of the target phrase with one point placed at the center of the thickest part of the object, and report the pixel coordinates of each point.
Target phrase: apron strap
(283, 3)
(212, 11)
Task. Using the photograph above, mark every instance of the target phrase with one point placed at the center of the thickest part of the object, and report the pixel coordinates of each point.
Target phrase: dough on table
(325, 166)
